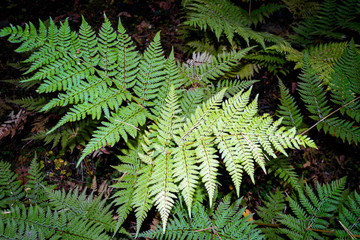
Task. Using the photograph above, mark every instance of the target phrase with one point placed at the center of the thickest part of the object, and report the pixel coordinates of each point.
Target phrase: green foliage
(11, 189)
(179, 152)
(312, 215)
(67, 136)
(287, 108)
(333, 20)
(343, 84)
(225, 221)
(225, 17)
(48, 214)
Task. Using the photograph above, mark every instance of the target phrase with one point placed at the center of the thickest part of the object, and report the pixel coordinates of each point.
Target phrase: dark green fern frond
(35, 192)
(11, 189)
(34, 222)
(233, 87)
(345, 82)
(332, 20)
(349, 215)
(314, 96)
(225, 221)
(273, 206)
(69, 135)
(31, 103)
(284, 170)
(94, 210)
(225, 17)
(312, 210)
(288, 109)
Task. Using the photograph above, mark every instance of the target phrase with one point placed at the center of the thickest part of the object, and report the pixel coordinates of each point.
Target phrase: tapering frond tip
(157, 36)
(121, 28)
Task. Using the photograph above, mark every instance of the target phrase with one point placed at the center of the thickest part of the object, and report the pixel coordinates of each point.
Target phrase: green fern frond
(312, 210)
(226, 222)
(314, 96)
(191, 99)
(331, 21)
(284, 170)
(273, 206)
(11, 190)
(349, 216)
(225, 17)
(35, 222)
(217, 67)
(94, 210)
(68, 136)
(31, 103)
(122, 123)
(129, 168)
(151, 72)
(233, 87)
(288, 109)
(35, 185)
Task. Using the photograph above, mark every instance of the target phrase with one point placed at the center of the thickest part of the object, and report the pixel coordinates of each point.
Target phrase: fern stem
(329, 115)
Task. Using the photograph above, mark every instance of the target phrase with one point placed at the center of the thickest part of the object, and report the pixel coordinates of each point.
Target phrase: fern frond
(288, 109)
(151, 73)
(191, 99)
(284, 170)
(173, 77)
(313, 210)
(129, 168)
(349, 216)
(11, 190)
(107, 43)
(31, 103)
(35, 190)
(68, 136)
(233, 87)
(217, 67)
(121, 124)
(94, 210)
(128, 60)
(225, 17)
(35, 222)
(226, 221)
(314, 96)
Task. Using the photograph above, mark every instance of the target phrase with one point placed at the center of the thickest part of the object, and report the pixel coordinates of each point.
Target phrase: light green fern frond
(129, 168)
